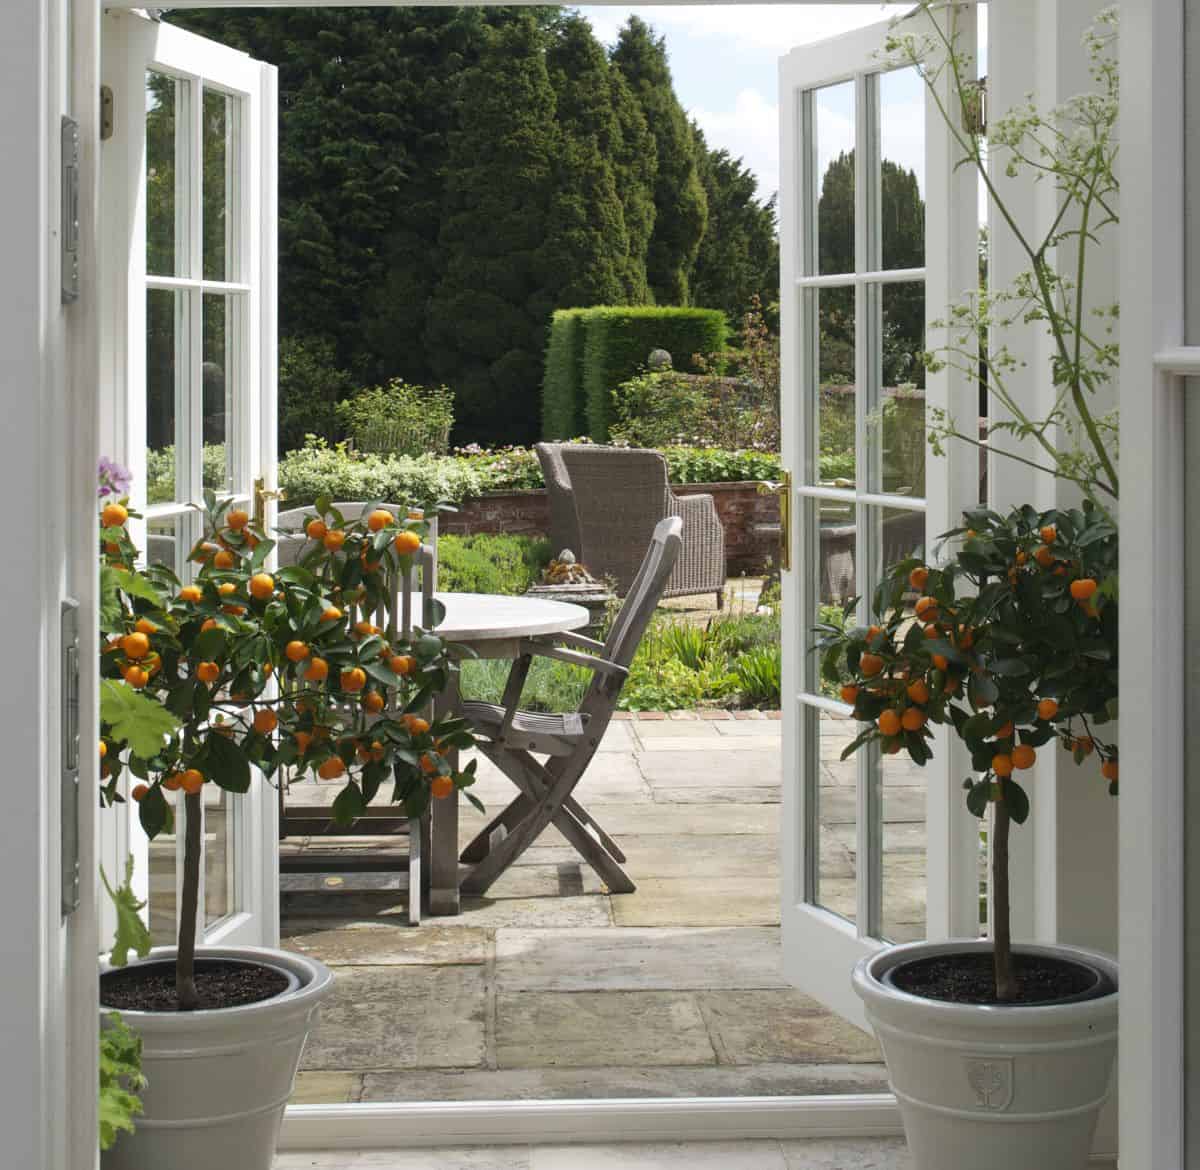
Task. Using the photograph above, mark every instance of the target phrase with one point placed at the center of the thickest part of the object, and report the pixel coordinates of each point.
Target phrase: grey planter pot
(219, 1080)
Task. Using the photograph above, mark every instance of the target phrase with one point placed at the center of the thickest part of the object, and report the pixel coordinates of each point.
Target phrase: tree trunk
(185, 961)
(1006, 983)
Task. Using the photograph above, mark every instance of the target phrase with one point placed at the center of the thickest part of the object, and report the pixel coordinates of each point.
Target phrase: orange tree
(245, 671)
(1012, 641)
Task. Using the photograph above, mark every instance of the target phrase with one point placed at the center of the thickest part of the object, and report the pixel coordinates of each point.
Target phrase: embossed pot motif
(993, 1088)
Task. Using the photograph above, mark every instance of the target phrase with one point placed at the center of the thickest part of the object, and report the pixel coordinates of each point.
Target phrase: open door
(189, 176)
(878, 232)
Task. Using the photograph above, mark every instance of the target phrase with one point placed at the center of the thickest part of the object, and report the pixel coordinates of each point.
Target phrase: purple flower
(113, 479)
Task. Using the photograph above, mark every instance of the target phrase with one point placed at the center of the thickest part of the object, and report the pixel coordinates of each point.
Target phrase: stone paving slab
(710, 743)
(534, 1084)
(765, 796)
(671, 729)
(768, 730)
(707, 858)
(400, 1017)
(386, 944)
(326, 1088)
(739, 1155)
(755, 1027)
(751, 767)
(545, 911)
(599, 1029)
(695, 901)
(847, 1154)
(516, 1157)
(636, 959)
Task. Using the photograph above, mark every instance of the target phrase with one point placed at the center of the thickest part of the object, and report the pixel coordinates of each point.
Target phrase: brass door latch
(261, 495)
(782, 489)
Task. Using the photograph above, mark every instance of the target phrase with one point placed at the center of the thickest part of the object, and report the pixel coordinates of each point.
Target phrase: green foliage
(759, 674)
(160, 471)
(310, 386)
(711, 465)
(681, 208)
(120, 1079)
(135, 718)
(617, 343)
(551, 686)
(131, 933)
(490, 564)
(399, 419)
(563, 413)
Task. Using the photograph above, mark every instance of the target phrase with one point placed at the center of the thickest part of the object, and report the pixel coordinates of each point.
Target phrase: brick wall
(739, 506)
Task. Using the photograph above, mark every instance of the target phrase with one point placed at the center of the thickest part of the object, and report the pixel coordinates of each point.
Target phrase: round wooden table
(491, 626)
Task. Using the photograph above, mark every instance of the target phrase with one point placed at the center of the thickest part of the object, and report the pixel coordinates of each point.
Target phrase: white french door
(878, 232)
(188, 192)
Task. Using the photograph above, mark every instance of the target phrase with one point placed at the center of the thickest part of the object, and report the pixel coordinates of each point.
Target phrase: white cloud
(749, 131)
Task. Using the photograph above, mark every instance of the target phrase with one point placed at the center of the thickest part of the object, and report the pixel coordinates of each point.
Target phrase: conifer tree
(679, 202)
(635, 163)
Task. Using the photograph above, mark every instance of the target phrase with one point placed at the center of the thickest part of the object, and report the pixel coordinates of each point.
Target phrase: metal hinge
(106, 113)
(69, 228)
(69, 812)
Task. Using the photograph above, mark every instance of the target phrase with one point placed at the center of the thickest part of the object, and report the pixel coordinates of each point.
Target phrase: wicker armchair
(617, 495)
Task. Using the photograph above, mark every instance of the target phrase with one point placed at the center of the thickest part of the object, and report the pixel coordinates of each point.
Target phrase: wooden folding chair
(297, 819)
(512, 737)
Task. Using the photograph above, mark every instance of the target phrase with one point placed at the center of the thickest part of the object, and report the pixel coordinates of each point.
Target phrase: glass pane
(903, 392)
(221, 114)
(904, 874)
(833, 117)
(218, 375)
(837, 387)
(837, 816)
(902, 168)
(166, 245)
(218, 854)
(166, 379)
(167, 543)
(161, 898)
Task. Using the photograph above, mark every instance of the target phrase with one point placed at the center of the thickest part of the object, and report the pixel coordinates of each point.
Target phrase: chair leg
(415, 893)
(508, 819)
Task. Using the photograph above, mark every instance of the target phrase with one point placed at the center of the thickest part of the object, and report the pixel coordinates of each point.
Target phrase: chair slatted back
(644, 592)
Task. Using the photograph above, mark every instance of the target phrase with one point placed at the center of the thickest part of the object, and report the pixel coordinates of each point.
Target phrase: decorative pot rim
(316, 980)
(869, 985)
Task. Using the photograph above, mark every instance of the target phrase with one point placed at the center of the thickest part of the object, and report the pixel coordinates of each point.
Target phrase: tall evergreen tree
(739, 254)
(635, 163)
(489, 312)
(680, 207)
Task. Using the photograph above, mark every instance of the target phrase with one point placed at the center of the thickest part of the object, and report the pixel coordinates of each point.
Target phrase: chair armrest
(579, 642)
(588, 661)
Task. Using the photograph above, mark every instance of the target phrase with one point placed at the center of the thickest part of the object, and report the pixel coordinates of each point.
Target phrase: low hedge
(320, 469)
(592, 351)
(485, 563)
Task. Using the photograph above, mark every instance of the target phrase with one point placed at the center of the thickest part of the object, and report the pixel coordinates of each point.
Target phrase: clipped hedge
(562, 386)
(592, 351)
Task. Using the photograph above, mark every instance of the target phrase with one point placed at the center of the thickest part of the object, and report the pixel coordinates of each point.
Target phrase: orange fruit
(406, 663)
(262, 585)
(237, 519)
(136, 677)
(918, 691)
(268, 667)
(951, 686)
(380, 519)
(414, 724)
(1005, 731)
(315, 530)
(208, 672)
(1023, 756)
(372, 701)
(354, 679)
(191, 593)
(145, 626)
(365, 629)
(926, 608)
(332, 768)
(265, 721)
(114, 515)
(135, 645)
(869, 664)
(153, 663)
(407, 542)
(429, 763)
(103, 749)
(1084, 589)
(139, 791)
(296, 651)
(1044, 557)
(1049, 534)
(932, 631)
(913, 719)
(173, 782)
(224, 559)
(849, 694)
(318, 670)
(332, 614)
(1047, 709)
(1022, 556)
(889, 722)
(441, 787)
(377, 751)
(334, 540)
(918, 577)
(1002, 765)
(873, 632)
(208, 624)
(233, 610)
(192, 781)
(227, 589)
(303, 739)
(941, 662)
(1085, 744)
(1109, 770)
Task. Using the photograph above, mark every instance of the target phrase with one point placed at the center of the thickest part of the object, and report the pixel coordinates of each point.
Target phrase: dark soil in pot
(970, 978)
(221, 983)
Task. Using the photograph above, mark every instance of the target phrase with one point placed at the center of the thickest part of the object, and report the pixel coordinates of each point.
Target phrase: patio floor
(550, 987)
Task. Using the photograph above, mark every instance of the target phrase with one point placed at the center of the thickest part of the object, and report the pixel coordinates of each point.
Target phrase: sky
(725, 62)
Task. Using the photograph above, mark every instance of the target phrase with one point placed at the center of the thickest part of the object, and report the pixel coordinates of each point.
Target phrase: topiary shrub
(562, 387)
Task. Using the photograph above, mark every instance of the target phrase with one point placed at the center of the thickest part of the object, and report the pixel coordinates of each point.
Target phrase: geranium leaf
(135, 717)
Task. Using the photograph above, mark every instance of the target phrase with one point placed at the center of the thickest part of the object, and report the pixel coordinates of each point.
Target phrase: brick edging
(711, 715)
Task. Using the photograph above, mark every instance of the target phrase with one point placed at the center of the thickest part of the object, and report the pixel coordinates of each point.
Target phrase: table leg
(442, 856)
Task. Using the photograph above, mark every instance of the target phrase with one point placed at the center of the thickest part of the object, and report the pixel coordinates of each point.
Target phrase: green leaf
(348, 804)
(978, 798)
(135, 585)
(131, 933)
(135, 717)
(225, 764)
(1017, 800)
(1008, 667)
(154, 813)
(120, 1079)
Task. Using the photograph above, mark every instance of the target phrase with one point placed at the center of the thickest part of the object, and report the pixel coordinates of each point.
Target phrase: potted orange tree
(227, 681)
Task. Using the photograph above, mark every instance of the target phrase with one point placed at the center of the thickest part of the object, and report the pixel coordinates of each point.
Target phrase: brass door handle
(782, 489)
(261, 495)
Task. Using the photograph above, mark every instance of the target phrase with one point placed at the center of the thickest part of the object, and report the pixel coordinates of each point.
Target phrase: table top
(482, 617)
